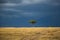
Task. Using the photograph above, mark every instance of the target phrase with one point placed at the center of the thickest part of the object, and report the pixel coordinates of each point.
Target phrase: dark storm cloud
(36, 7)
(58, 1)
(55, 2)
(27, 9)
(2, 1)
(14, 1)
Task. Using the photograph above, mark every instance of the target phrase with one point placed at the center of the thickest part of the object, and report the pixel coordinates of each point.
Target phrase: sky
(17, 13)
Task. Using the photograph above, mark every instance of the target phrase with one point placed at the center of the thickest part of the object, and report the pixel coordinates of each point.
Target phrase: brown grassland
(30, 33)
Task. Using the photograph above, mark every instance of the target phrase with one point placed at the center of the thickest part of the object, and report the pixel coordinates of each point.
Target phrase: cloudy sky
(19, 12)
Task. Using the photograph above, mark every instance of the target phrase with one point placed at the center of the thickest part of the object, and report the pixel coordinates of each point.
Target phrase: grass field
(30, 33)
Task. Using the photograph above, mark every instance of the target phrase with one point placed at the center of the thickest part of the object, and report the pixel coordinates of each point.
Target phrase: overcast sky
(19, 12)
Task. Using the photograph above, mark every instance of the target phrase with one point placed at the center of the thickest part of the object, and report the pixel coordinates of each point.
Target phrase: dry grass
(29, 33)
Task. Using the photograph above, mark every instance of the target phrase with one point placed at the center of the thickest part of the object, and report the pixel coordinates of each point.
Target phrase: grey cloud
(3, 1)
(14, 3)
(33, 10)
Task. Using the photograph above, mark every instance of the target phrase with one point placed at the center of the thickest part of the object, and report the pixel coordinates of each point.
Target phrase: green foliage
(32, 21)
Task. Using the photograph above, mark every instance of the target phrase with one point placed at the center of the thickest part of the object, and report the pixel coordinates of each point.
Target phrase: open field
(30, 33)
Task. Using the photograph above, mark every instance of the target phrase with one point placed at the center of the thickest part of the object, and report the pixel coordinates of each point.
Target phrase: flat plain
(41, 33)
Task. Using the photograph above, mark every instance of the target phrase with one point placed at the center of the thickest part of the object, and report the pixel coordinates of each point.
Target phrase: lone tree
(32, 22)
